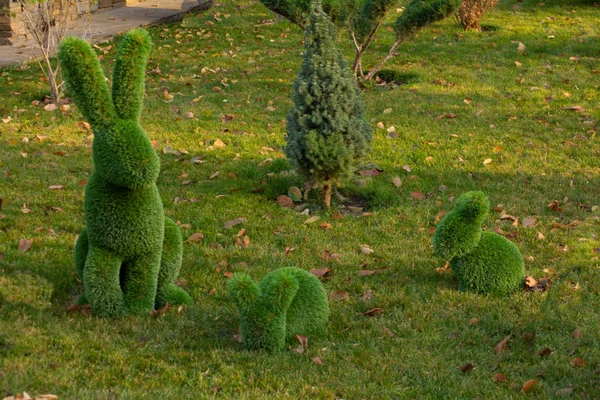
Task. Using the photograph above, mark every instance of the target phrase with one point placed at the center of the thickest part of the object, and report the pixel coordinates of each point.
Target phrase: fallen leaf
(366, 250)
(233, 222)
(528, 222)
(565, 391)
(406, 168)
(366, 272)
(227, 118)
(270, 108)
(285, 201)
(242, 243)
(576, 333)
(265, 162)
(50, 107)
(389, 332)
(387, 111)
(238, 338)
(466, 368)
(24, 209)
(501, 346)
(55, 187)
(219, 144)
(527, 386)
(573, 108)
(397, 182)
(487, 161)
(368, 295)
(521, 47)
(417, 195)
(321, 272)
(196, 237)
(325, 225)
(160, 312)
(303, 344)
(372, 312)
(500, 378)
(545, 351)
(312, 219)
(540, 236)
(371, 172)
(473, 321)
(578, 362)
(339, 295)
(25, 244)
(317, 360)
(214, 175)
(554, 206)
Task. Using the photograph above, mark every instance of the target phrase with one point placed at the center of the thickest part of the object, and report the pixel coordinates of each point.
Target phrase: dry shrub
(470, 12)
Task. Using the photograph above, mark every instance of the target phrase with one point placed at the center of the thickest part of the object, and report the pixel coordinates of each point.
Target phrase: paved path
(106, 23)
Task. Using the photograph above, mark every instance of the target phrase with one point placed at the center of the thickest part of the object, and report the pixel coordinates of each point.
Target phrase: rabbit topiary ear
(85, 80)
(129, 74)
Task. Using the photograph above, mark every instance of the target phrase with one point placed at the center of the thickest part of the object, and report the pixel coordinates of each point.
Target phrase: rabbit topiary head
(123, 155)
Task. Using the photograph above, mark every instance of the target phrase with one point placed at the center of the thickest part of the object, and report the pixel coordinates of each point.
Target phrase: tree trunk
(327, 194)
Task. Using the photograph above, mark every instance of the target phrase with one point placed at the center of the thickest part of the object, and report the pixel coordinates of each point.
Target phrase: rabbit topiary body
(287, 302)
(129, 254)
(483, 262)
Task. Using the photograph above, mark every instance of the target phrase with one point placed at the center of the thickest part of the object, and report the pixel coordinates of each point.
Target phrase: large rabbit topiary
(129, 254)
(287, 302)
(483, 262)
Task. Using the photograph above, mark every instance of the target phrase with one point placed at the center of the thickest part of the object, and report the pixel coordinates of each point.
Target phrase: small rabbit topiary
(287, 302)
(129, 254)
(483, 262)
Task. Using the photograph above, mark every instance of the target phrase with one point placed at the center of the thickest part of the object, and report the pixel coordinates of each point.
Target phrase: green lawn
(237, 62)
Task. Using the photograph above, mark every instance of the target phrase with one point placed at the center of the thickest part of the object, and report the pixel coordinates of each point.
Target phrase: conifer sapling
(326, 128)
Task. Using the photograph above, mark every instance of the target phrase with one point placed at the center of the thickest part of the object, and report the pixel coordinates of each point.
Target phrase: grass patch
(229, 67)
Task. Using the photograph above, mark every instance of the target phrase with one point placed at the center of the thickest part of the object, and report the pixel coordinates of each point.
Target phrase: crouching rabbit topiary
(483, 262)
(287, 302)
(129, 254)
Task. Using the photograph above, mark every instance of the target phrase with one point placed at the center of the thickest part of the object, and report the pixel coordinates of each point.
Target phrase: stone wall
(12, 29)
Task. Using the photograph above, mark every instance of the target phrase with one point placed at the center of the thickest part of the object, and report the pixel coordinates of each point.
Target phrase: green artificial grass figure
(287, 302)
(483, 262)
(129, 254)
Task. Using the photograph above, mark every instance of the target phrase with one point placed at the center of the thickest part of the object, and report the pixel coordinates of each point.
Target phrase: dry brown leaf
(573, 108)
(317, 360)
(527, 386)
(366, 250)
(397, 182)
(55, 187)
(160, 312)
(365, 272)
(417, 195)
(473, 321)
(214, 175)
(565, 391)
(285, 201)
(500, 378)
(407, 168)
(501, 346)
(389, 332)
(265, 162)
(196, 237)
(321, 272)
(303, 344)
(233, 222)
(466, 368)
(554, 206)
(528, 222)
(339, 295)
(372, 312)
(312, 219)
(545, 352)
(576, 333)
(325, 225)
(371, 172)
(25, 244)
(578, 362)
(368, 295)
